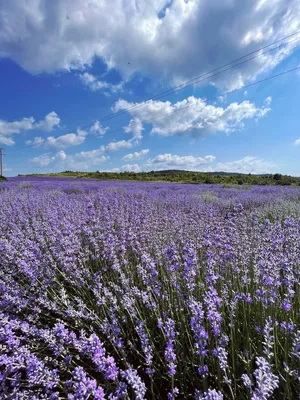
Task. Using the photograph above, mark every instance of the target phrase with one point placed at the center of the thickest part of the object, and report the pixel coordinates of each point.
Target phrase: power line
(194, 81)
(204, 76)
(219, 96)
(236, 65)
(207, 100)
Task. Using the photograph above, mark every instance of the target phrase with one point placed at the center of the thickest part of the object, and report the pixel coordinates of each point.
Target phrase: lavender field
(118, 290)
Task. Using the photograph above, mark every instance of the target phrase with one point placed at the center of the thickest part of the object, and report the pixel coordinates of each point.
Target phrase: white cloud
(297, 142)
(196, 115)
(37, 141)
(7, 141)
(8, 129)
(87, 159)
(43, 160)
(122, 144)
(94, 84)
(61, 155)
(247, 165)
(79, 161)
(46, 159)
(268, 101)
(135, 127)
(76, 139)
(137, 155)
(70, 139)
(113, 170)
(173, 161)
(186, 39)
(130, 168)
(97, 128)
(60, 142)
(51, 120)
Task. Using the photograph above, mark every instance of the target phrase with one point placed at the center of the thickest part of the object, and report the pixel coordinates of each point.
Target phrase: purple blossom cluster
(123, 290)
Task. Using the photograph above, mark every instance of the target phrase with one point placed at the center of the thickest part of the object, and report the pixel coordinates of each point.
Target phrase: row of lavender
(115, 290)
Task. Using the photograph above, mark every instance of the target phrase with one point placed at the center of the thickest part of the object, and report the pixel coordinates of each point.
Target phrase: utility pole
(1, 165)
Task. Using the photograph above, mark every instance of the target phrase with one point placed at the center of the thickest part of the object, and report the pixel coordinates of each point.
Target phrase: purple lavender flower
(222, 355)
(135, 382)
(120, 392)
(85, 262)
(81, 387)
(211, 394)
(296, 345)
(213, 302)
(147, 348)
(268, 339)
(246, 381)
(266, 381)
(199, 331)
(169, 331)
(172, 395)
(286, 305)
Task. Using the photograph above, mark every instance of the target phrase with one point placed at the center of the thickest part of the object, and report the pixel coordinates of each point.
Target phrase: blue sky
(66, 65)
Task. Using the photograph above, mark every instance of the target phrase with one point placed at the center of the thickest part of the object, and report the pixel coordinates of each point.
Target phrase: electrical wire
(203, 77)
(207, 100)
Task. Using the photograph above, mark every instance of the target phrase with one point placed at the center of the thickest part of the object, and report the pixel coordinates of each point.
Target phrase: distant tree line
(180, 176)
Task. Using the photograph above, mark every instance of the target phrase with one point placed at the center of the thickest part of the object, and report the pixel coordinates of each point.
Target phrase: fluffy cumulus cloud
(95, 84)
(297, 142)
(87, 159)
(121, 144)
(130, 168)
(247, 165)
(8, 129)
(173, 161)
(76, 139)
(193, 114)
(44, 160)
(135, 127)
(78, 161)
(127, 168)
(64, 141)
(182, 38)
(84, 159)
(60, 142)
(137, 155)
(51, 120)
(36, 142)
(98, 129)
